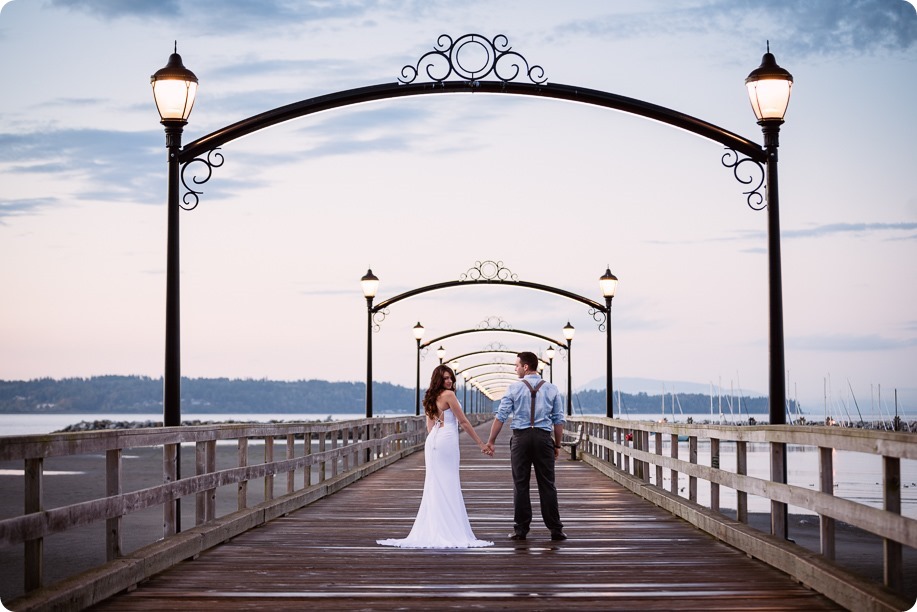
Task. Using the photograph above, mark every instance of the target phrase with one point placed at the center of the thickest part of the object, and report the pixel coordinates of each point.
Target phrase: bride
(442, 521)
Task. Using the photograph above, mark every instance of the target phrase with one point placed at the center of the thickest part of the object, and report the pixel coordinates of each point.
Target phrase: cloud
(220, 15)
(811, 28)
(13, 208)
(842, 343)
(835, 229)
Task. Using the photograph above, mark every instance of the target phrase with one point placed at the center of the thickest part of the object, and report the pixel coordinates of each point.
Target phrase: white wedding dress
(442, 521)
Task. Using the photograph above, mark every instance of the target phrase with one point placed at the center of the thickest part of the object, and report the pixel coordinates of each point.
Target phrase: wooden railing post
(692, 457)
(268, 458)
(113, 537)
(291, 454)
(892, 551)
(170, 519)
(34, 501)
(657, 435)
(826, 482)
(673, 443)
(742, 468)
(715, 464)
(242, 493)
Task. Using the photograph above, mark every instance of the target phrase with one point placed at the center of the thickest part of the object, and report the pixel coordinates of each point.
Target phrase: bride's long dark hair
(436, 387)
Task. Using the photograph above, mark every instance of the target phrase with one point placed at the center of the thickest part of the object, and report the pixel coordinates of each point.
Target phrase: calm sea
(856, 476)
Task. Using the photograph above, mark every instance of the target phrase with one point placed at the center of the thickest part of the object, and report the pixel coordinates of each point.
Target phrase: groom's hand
(489, 449)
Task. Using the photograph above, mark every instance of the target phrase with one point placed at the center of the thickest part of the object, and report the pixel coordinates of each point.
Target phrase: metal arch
(505, 331)
(484, 365)
(569, 93)
(501, 351)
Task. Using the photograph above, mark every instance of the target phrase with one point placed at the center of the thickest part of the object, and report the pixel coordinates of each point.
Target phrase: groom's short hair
(528, 359)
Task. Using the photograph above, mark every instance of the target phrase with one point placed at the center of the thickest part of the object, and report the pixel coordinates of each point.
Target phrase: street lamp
(370, 284)
(569, 331)
(174, 90)
(608, 283)
(549, 353)
(418, 335)
(440, 353)
(769, 88)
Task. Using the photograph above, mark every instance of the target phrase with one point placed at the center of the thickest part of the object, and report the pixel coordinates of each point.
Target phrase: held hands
(488, 449)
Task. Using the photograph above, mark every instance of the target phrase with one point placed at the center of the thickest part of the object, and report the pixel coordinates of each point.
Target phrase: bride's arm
(453, 403)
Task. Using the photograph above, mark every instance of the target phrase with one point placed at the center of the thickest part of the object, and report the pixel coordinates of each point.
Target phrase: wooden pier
(624, 553)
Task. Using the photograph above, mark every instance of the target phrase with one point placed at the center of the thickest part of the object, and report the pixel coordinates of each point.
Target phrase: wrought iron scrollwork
(496, 346)
(494, 322)
(463, 57)
(732, 160)
(488, 270)
(378, 317)
(600, 316)
(213, 159)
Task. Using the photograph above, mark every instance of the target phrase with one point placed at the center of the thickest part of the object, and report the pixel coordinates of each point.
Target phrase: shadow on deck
(623, 553)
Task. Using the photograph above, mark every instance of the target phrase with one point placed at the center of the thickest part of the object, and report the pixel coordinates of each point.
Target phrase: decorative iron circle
(494, 322)
(489, 270)
(472, 57)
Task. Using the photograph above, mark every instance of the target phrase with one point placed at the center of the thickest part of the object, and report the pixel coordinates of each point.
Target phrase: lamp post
(608, 283)
(769, 88)
(370, 284)
(418, 336)
(440, 353)
(550, 355)
(569, 331)
(174, 90)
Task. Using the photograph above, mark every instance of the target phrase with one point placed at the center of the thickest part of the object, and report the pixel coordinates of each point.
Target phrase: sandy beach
(80, 478)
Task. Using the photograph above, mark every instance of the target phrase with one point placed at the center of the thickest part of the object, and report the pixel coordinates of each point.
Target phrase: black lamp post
(608, 282)
(549, 353)
(440, 353)
(769, 88)
(569, 331)
(370, 284)
(174, 90)
(418, 335)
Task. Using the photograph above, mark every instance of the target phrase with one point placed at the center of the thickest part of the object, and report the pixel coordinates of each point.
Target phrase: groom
(538, 427)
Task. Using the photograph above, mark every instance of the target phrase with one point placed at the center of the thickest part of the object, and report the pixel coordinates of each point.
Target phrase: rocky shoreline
(108, 424)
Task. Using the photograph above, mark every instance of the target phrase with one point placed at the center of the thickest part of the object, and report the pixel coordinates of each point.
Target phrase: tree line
(143, 395)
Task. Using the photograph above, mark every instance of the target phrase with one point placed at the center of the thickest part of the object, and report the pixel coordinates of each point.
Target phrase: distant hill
(143, 395)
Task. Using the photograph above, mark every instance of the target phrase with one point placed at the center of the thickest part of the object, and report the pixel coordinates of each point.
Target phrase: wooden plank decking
(623, 554)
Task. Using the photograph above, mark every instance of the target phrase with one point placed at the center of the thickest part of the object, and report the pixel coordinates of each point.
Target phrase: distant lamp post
(174, 90)
(370, 284)
(440, 353)
(769, 88)
(569, 332)
(550, 355)
(418, 336)
(608, 283)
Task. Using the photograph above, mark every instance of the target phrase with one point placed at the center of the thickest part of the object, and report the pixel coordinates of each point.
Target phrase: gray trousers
(534, 447)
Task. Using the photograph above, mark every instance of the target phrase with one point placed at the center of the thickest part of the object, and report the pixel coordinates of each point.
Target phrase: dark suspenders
(534, 393)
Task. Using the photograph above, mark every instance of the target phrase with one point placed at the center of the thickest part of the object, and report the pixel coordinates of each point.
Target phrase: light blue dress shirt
(549, 407)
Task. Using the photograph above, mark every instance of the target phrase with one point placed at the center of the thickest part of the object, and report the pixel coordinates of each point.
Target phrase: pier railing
(296, 463)
(644, 456)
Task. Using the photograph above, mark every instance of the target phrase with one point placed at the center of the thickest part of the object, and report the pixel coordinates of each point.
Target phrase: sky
(420, 189)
